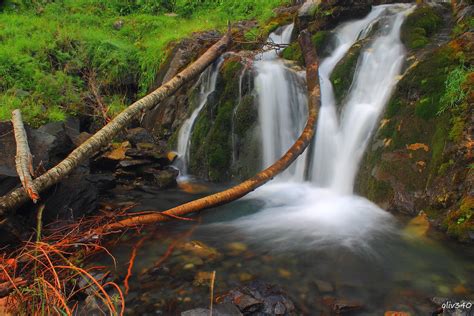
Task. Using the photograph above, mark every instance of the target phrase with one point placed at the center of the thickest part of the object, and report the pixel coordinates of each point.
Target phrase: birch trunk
(23, 158)
(238, 191)
(19, 196)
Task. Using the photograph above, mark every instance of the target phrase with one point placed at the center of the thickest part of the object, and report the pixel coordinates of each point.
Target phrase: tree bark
(19, 196)
(238, 191)
(23, 158)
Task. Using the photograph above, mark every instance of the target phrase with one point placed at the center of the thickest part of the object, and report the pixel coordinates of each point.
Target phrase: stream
(305, 231)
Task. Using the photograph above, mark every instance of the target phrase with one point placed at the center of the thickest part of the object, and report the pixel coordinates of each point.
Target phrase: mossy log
(240, 190)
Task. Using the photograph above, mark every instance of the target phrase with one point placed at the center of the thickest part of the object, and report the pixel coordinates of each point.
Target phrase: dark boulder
(74, 197)
(139, 135)
(260, 298)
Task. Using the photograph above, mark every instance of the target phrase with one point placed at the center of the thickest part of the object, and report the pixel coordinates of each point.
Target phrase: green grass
(454, 93)
(47, 49)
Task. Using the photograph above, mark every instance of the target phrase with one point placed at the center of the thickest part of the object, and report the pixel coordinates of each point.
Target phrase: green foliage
(454, 93)
(419, 26)
(49, 48)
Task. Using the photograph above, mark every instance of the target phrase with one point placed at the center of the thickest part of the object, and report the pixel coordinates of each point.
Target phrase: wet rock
(131, 163)
(199, 249)
(139, 135)
(226, 309)
(166, 178)
(341, 306)
(103, 182)
(261, 298)
(71, 199)
(237, 247)
(324, 286)
(197, 312)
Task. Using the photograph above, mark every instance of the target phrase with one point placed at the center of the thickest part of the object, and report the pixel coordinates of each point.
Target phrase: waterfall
(341, 141)
(206, 85)
(281, 105)
(324, 212)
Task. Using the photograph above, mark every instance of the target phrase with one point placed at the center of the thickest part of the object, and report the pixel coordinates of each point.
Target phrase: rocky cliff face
(420, 158)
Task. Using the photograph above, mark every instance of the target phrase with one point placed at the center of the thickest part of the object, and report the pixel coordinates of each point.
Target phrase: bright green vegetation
(50, 50)
(419, 26)
(454, 93)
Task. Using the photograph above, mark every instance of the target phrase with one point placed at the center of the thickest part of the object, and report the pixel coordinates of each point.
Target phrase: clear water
(393, 270)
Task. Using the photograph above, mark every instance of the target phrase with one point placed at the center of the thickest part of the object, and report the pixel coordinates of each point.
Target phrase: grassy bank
(51, 51)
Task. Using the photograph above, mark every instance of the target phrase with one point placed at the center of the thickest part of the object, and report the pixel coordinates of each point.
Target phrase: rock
(79, 139)
(199, 249)
(166, 178)
(103, 182)
(261, 298)
(237, 247)
(324, 286)
(118, 24)
(139, 135)
(197, 312)
(130, 163)
(245, 277)
(284, 273)
(394, 313)
(341, 306)
(202, 278)
(226, 309)
(71, 199)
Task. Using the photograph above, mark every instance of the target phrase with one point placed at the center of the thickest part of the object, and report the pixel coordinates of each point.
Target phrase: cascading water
(207, 85)
(324, 212)
(282, 105)
(340, 142)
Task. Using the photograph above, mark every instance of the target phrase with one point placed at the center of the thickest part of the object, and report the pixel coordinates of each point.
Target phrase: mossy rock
(460, 223)
(245, 116)
(293, 52)
(420, 26)
(343, 74)
(211, 139)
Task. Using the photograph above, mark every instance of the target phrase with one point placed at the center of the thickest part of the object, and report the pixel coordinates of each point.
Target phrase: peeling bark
(240, 190)
(19, 196)
(23, 158)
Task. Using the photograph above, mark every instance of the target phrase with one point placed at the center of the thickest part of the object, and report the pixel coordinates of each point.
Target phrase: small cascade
(206, 85)
(282, 105)
(341, 141)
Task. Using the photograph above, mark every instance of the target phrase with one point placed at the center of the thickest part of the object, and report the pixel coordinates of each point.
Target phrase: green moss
(245, 116)
(459, 223)
(343, 73)
(320, 41)
(379, 191)
(444, 167)
(293, 52)
(419, 26)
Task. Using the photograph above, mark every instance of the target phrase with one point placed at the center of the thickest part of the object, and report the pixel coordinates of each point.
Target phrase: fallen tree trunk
(19, 196)
(23, 158)
(238, 191)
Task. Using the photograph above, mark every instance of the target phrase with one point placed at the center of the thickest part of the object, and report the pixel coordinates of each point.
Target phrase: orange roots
(131, 263)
